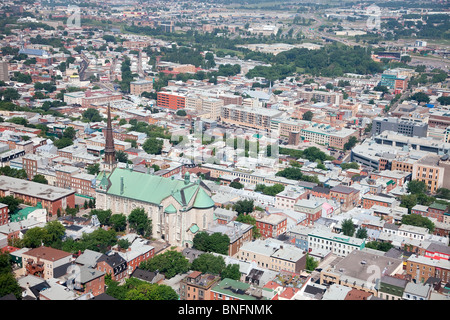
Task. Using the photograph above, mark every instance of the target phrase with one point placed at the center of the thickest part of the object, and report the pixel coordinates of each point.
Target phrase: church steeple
(110, 152)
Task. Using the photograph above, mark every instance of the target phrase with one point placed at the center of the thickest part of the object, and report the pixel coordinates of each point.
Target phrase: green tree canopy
(418, 221)
(209, 263)
(170, 263)
(348, 228)
(40, 179)
(139, 221)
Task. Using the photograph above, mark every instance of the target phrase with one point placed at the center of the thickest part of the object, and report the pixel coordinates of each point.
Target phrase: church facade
(178, 208)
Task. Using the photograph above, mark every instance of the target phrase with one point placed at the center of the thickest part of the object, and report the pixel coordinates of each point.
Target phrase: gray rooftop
(33, 189)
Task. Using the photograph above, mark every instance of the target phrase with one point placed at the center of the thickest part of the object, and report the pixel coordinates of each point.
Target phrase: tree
(118, 221)
(420, 97)
(236, 185)
(69, 133)
(382, 246)
(170, 263)
(121, 156)
(152, 291)
(8, 283)
(10, 94)
(140, 223)
(181, 113)
(209, 263)
(92, 115)
(35, 237)
(216, 242)
(418, 221)
(103, 216)
(248, 219)
(39, 178)
(93, 168)
(348, 228)
(416, 187)
(153, 146)
(11, 202)
(349, 165)
(308, 115)
(311, 263)
(243, 206)
(62, 143)
(350, 143)
(231, 271)
(55, 232)
(361, 233)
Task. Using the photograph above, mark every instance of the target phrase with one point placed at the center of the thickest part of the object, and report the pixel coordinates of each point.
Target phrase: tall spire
(110, 152)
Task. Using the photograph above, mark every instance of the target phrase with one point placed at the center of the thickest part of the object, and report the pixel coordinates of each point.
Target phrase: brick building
(197, 286)
(51, 198)
(271, 226)
(4, 216)
(348, 197)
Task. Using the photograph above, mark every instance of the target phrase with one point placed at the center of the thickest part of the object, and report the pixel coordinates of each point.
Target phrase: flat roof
(33, 189)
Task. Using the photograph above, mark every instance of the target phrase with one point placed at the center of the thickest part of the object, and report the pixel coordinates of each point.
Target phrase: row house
(83, 183)
(399, 177)
(438, 252)
(113, 264)
(312, 208)
(138, 252)
(197, 286)
(421, 268)
(271, 226)
(436, 211)
(369, 200)
(348, 197)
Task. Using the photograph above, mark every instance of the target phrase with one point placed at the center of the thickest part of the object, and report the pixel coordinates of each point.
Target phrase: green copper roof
(202, 200)
(151, 188)
(194, 228)
(170, 209)
(23, 213)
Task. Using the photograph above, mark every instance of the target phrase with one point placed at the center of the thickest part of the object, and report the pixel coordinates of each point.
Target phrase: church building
(178, 208)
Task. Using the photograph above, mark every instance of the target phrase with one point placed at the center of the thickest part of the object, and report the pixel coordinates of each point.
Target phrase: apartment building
(335, 98)
(428, 170)
(338, 244)
(327, 135)
(171, 100)
(255, 118)
(140, 86)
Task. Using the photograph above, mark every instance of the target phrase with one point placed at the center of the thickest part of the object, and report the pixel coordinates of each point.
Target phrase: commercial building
(410, 127)
(361, 270)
